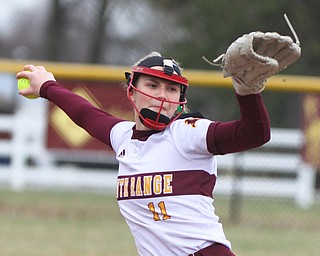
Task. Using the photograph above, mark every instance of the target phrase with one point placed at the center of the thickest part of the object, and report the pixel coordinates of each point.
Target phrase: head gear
(171, 71)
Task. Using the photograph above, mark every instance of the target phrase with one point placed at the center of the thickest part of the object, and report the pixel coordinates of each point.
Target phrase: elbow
(263, 133)
(261, 139)
(267, 136)
(266, 132)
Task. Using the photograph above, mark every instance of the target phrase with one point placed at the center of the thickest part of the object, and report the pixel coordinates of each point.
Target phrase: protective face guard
(152, 119)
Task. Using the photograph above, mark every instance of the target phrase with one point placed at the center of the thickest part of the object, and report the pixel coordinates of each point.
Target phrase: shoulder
(190, 134)
(191, 124)
(193, 121)
(123, 126)
(120, 132)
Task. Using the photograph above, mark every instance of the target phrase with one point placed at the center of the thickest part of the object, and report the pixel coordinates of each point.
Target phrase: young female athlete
(167, 166)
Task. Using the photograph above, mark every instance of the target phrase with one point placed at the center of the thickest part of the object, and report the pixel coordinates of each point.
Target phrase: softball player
(167, 166)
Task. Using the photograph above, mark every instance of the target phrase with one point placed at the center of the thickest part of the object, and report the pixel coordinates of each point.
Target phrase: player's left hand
(254, 57)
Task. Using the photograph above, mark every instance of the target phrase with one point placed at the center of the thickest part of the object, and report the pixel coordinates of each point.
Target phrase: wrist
(44, 88)
(242, 89)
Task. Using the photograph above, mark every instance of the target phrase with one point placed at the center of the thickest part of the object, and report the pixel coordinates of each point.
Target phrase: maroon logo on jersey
(191, 122)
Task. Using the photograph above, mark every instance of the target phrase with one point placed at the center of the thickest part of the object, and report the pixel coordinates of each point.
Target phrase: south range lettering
(144, 186)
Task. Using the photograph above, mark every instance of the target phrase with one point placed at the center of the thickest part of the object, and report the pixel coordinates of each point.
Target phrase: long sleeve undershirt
(251, 130)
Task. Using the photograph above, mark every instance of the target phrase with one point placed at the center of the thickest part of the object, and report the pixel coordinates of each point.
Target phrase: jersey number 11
(163, 210)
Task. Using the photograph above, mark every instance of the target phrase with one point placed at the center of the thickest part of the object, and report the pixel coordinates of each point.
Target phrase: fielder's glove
(255, 57)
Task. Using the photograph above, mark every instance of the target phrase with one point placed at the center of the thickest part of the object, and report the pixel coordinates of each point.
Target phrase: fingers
(273, 45)
(22, 74)
(41, 68)
(27, 69)
(37, 76)
(33, 68)
(25, 92)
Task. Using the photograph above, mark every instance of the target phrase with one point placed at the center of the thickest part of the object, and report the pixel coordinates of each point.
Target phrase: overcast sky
(9, 10)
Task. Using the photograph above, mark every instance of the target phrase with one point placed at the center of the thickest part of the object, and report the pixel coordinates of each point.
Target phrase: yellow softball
(24, 83)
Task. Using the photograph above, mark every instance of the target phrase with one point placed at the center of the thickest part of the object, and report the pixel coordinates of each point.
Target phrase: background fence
(275, 170)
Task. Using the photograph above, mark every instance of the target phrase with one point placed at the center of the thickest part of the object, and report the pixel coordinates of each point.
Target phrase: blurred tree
(211, 26)
(55, 26)
(75, 31)
(98, 33)
(90, 31)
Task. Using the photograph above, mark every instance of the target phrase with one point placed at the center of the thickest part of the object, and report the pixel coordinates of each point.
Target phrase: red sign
(108, 96)
(311, 114)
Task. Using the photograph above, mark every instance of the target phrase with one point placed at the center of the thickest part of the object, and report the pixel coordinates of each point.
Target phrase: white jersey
(164, 188)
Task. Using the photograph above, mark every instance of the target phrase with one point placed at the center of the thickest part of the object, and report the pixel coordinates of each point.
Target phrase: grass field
(47, 223)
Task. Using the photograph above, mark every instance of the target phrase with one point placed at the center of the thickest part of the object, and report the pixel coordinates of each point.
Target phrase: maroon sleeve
(250, 131)
(95, 121)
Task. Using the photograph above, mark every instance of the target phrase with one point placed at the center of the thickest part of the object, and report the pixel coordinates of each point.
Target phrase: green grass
(271, 227)
(66, 223)
(34, 223)
(273, 241)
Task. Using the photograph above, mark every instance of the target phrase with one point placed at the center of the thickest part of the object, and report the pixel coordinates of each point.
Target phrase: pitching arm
(95, 121)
